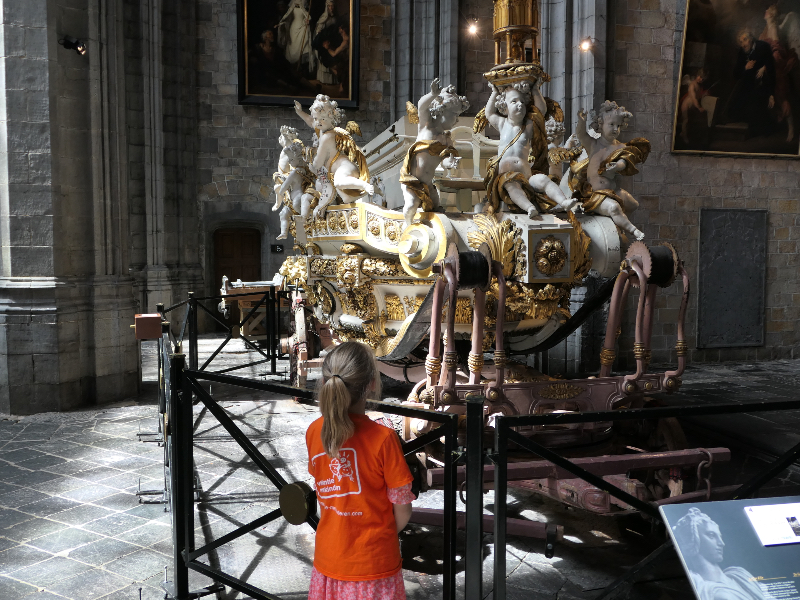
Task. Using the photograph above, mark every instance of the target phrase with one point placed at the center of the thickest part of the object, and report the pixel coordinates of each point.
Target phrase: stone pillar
(65, 295)
(425, 45)
(578, 77)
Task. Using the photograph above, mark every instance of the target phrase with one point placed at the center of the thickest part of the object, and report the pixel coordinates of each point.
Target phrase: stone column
(65, 296)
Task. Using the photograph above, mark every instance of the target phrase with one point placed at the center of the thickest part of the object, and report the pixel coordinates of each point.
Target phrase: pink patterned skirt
(388, 588)
(326, 588)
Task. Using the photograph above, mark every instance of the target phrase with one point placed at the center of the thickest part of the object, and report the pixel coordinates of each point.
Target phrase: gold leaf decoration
(394, 308)
(503, 238)
(349, 248)
(550, 255)
(561, 391)
(583, 261)
(382, 267)
(412, 112)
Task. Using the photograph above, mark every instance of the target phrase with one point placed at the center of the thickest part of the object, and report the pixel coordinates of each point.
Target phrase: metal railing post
(473, 573)
(272, 307)
(500, 506)
(162, 367)
(180, 435)
(449, 509)
(193, 350)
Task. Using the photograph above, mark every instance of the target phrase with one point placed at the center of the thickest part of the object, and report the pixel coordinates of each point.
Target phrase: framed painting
(739, 83)
(295, 49)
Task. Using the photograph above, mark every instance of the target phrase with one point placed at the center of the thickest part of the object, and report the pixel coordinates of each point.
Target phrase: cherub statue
(286, 137)
(437, 112)
(339, 164)
(518, 113)
(597, 176)
(293, 192)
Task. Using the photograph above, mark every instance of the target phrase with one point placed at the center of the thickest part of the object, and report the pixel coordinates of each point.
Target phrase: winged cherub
(518, 113)
(597, 177)
(339, 164)
(437, 112)
(292, 193)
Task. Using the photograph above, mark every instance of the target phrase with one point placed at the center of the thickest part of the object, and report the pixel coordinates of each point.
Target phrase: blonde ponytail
(347, 373)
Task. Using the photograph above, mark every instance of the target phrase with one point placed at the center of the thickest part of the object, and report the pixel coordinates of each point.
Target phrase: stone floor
(71, 525)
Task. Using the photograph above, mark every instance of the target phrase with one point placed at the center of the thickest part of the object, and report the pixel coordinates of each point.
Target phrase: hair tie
(335, 375)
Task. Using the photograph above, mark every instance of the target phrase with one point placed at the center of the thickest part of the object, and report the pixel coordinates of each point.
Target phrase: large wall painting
(295, 49)
(739, 89)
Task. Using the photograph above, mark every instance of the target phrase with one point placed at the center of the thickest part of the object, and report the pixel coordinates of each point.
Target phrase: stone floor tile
(120, 501)
(147, 534)
(98, 473)
(48, 506)
(42, 462)
(30, 530)
(9, 518)
(88, 493)
(140, 565)
(45, 595)
(21, 496)
(40, 480)
(50, 571)
(82, 514)
(7, 488)
(11, 589)
(151, 511)
(132, 593)
(70, 467)
(63, 540)
(18, 456)
(6, 543)
(20, 557)
(114, 524)
(103, 551)
(9, 472)
(90, 585)
(123, 481)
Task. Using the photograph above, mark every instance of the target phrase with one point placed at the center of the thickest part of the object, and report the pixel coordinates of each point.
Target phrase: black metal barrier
(505, 434)
(269, 299)
(184, 384)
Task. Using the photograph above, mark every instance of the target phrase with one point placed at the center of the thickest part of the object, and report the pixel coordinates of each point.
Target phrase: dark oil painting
(295, 49)
(739, 84)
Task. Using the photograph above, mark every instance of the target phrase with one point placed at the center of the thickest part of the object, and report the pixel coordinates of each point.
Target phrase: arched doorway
(237, 255)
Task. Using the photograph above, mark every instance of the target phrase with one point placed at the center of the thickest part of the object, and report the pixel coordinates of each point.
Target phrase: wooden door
(237, 255)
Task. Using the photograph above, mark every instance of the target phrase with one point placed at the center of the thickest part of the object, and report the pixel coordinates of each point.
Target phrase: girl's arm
(402, 514)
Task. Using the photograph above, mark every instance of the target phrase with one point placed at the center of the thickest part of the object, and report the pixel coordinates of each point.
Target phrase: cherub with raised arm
(286, 137)
(608, 158)
(438, 113)
(293, 192)
(339, 164)
(518, 113)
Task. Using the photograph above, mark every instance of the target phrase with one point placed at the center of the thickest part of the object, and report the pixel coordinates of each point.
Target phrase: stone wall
(238, 144)
(477, 52)
(672, 188)
(65, 293)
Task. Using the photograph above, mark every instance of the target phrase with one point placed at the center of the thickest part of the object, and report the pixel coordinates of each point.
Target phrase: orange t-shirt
(357, 534)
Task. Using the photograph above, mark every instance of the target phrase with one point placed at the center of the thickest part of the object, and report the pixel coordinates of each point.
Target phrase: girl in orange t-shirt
(363, 485)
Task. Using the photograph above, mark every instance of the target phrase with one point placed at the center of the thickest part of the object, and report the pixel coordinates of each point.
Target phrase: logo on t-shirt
(344, 479)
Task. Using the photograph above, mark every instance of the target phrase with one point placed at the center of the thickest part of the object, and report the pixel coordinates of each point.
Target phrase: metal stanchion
(450, 475)
(500, 507)
(271, 324)
(193, 350)
(473, 574)
(179, 436)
